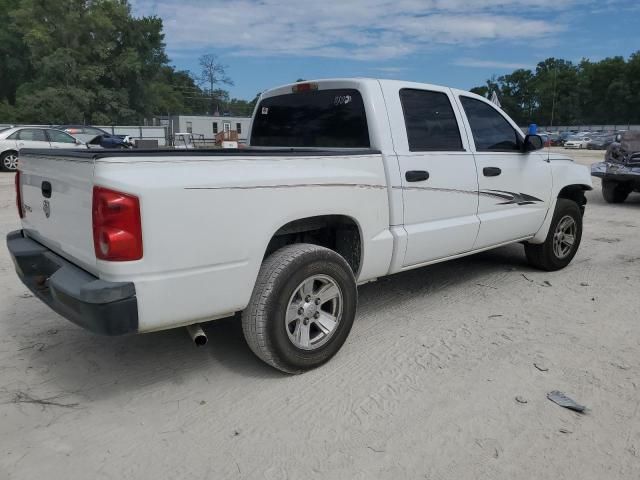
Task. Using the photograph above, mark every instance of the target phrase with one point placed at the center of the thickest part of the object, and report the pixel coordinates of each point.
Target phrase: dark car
(555, 140)
(563, 138)
(620, 171)
(600, 142)
(93, 136)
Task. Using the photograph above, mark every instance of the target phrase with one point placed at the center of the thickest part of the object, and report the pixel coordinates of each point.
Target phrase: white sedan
(577, 142)
(15, 138)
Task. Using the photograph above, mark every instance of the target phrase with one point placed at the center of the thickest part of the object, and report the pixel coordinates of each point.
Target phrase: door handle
(416, 175)
(491, 171)
(46, 189)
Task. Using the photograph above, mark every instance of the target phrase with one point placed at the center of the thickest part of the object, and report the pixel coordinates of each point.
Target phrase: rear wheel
(562, 241)
(9, 161)
(614, 192)
(302, 308)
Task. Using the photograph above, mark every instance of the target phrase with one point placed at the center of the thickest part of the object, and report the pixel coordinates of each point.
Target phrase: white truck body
(208, 218)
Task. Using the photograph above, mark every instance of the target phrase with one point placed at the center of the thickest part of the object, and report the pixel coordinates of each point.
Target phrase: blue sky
(266, 43)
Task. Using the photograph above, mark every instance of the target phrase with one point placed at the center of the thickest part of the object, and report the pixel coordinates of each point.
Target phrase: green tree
(86, 61)
(561, 93)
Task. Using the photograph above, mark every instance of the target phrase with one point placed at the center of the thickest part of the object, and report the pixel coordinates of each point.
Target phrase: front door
(514, 187)
(438, 174)
(60, 139)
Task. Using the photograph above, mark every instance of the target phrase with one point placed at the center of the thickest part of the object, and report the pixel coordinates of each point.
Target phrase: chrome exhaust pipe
(197, 334)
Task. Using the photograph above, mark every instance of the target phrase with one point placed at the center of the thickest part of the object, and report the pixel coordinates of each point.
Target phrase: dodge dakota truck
(344, 181)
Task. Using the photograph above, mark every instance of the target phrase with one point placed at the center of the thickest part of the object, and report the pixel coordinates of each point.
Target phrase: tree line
(559, 92)
(92, 61)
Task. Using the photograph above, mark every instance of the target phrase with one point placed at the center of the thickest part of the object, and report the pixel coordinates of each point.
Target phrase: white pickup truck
(345, 181)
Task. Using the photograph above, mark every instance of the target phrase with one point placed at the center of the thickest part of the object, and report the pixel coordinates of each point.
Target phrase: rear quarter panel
(207, 222)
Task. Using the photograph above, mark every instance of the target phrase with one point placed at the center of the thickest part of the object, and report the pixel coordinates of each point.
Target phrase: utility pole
(553, 100)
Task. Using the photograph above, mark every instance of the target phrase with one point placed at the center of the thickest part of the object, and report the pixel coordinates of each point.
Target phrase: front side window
(32, 135)
(60, 137)
(430, 122)
(491, 131)
(333, 118)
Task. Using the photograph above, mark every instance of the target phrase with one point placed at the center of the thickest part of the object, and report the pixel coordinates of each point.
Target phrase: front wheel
(563, 239)
(301, 309)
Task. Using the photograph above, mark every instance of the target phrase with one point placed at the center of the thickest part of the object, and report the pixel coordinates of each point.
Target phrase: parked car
(620, 171)
(546, 140)
(577, 141)
(94, 136)
(600, 142)
(564, 136)
(555, 140)
(346, 181)
(16, 138)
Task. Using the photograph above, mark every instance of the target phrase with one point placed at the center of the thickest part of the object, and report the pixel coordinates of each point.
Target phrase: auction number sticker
(342, 100)
(265, 110)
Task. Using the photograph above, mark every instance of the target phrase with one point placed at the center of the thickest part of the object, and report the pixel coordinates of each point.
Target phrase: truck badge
(46, 208)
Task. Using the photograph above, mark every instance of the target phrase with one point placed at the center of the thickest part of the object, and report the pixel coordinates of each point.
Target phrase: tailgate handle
(46, 189)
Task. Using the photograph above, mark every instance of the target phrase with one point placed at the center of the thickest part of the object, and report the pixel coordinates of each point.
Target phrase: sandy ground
(425, 386)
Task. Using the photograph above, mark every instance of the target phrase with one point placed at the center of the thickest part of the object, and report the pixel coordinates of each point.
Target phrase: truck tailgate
(57, 195)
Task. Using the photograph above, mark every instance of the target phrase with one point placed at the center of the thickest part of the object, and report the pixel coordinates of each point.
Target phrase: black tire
(614, 192)
(544, 256)
(263, 321)
(4, 161)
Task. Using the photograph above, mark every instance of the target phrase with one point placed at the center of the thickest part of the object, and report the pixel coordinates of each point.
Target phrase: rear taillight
(19, 195)
(117, 230)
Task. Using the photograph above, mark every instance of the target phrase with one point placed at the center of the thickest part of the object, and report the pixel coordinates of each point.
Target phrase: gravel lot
(425, 386)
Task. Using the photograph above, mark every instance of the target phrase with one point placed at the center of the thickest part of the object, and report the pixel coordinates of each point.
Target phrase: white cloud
(477, 63)
(350, 29)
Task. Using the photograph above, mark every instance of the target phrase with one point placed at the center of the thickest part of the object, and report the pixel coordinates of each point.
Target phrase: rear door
(32, 138)
(514, 187)
(439, 179)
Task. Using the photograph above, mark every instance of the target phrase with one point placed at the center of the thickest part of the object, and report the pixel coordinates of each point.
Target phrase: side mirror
(531, 143)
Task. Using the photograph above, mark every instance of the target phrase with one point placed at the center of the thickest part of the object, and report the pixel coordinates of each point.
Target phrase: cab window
(430, 122)
(332, 118)
(491, 131)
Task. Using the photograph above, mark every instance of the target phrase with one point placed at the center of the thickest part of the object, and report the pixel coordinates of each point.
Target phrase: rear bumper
(107, 308)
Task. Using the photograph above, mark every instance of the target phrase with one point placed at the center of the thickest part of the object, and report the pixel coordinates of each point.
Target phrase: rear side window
(318, 118)
(32, 134)
(430, 121)
(491, 131)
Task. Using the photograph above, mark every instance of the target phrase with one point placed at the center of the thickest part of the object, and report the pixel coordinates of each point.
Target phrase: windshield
(332, 118)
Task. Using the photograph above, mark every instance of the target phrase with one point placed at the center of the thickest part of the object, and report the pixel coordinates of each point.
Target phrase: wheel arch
(575, 192)
(570, 191)
(340, 233)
